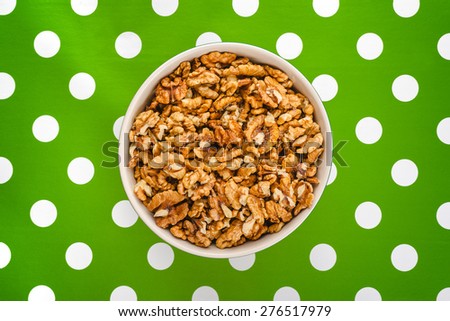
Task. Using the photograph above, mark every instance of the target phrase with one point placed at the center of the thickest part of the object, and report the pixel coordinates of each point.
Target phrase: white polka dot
(333, 174)
(404, 257)
(326, 8)
(405, 88)
(41, 293)
(404, 172)
(369, 130)
(368, 294)
(84, 7)
(5, 255)
(80, 170)
(165, 7)
(45, 128)
(326, 86)
(7, 6)
(7, 85)
(444, 295)
(286, 293)
(47, 44)
(443, 215)
(207, 37)
(128, 45)
(123, 214)
(444, 46)
(443, 130)
(369, 46)
(368, 215)
(6, 170)
(245, 8)
(160, 256)
(406, 8)
(123, 293)
(323, 257)
(117, 127)
(43, 213)
(243, 263)
(205, 293)
(79, 256)
(289, 45)
(82, 86)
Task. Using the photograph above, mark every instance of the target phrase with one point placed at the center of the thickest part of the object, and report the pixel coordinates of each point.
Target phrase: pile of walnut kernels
(225, 151)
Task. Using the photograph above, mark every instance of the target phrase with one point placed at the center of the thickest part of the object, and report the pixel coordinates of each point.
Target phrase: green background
(329, 47)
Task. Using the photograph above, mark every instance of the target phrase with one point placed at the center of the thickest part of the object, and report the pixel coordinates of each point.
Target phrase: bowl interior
(138, 103)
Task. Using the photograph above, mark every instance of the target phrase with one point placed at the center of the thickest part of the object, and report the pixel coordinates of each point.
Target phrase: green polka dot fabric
(68, 70)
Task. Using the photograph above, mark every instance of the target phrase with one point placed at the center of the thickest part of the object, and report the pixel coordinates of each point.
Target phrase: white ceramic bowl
(137, 105)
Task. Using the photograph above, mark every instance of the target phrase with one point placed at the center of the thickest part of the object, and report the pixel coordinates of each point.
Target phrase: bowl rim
(136, 106)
